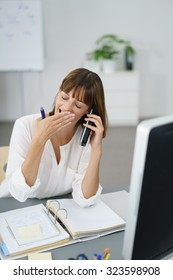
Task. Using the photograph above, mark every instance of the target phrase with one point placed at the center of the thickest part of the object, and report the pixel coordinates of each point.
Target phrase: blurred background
(68, 31)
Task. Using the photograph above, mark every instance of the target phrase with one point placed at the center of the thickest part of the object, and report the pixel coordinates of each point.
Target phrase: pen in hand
(42, 113)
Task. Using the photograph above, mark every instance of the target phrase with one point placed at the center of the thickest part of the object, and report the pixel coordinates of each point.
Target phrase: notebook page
(12, 245)
(93, 219)
(30, 226)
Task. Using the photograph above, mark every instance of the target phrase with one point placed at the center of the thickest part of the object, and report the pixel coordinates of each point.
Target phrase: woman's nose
(69, 106)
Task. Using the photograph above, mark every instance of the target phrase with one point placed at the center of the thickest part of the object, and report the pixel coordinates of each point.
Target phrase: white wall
(71, 28)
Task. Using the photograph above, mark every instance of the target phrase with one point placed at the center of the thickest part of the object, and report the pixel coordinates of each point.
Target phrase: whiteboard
(21, 35)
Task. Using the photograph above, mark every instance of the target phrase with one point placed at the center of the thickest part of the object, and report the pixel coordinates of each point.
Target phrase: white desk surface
(117, 201)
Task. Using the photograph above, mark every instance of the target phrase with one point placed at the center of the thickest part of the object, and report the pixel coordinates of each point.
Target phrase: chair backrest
(3, 161)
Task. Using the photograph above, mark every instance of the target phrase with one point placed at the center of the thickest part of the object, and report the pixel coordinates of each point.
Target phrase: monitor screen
(149, 228)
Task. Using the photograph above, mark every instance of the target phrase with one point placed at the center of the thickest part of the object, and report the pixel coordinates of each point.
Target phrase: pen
(94, 256)
(105, 253)
(42, 113)
(82, 257)
(107, 256)
(99, 256)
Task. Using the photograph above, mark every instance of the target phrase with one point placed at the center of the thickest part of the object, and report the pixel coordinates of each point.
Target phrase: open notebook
(61, 222)
(94, 221)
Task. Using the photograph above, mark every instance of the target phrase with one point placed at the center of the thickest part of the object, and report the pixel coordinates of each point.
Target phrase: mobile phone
(86, 132)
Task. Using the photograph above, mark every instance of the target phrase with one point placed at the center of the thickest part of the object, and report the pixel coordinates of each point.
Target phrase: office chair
(3, 161)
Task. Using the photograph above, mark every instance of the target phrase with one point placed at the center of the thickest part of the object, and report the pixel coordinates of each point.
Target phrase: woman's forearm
(90, 181)
(31, 163)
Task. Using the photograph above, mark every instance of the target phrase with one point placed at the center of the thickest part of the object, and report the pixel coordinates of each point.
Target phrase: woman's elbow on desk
(85, 202)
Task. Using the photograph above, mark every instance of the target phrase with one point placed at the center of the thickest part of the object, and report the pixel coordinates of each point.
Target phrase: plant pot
(108, 66)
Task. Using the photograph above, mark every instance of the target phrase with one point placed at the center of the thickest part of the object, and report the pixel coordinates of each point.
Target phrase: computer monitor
(149, 227)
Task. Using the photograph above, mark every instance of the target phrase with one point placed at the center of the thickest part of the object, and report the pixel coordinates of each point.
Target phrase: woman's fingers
(96, 120)
(61, 117)
(52, 124)
(60, 120)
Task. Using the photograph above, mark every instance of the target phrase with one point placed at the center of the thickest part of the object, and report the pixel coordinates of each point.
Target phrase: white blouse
(52, 179)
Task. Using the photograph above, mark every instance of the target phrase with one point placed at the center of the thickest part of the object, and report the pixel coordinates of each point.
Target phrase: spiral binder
(90, 222)
(59, 208)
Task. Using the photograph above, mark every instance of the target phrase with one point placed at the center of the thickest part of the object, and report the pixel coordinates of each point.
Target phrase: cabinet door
(121, 96)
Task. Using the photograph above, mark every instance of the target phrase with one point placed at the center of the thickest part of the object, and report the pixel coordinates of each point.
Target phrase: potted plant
(108, 48)
(107, 51)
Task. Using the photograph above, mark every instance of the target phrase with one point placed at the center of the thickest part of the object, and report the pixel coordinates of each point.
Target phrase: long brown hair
(88, 88)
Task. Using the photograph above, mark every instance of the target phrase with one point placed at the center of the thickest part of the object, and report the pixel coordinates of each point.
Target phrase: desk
(116, 200)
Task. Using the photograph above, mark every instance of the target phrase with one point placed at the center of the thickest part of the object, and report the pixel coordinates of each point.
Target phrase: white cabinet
(122, 95)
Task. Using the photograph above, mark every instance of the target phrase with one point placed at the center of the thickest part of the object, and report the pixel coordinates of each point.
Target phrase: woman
(46, 158)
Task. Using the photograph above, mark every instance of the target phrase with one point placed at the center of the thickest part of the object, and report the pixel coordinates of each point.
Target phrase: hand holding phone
(86, 132)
